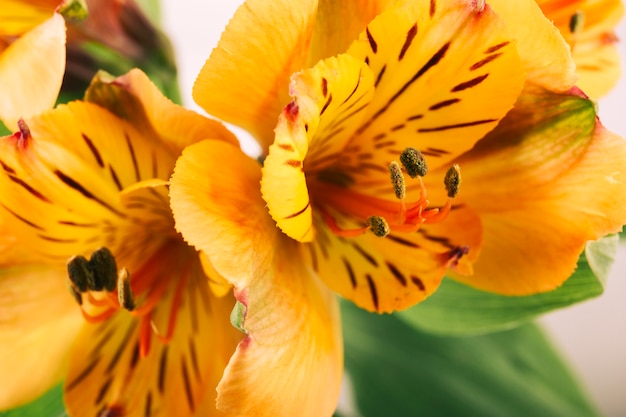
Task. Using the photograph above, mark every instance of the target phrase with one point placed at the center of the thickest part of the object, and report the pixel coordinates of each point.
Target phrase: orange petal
(135, 98)
(396, 271)
(18, 17)
(546, 181)
(109, 372)
(291, 362)
(31, 71)
(218, 209)
(241, 82)
(545, 54)
(39, 322)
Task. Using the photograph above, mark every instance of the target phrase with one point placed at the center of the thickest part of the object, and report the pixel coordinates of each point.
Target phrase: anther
(397, 179)
(378, 225)
(452, 180)
(413, 162)
(124, 292)
(104, 268)
(79, 273)
(577, 21)
(75, 293)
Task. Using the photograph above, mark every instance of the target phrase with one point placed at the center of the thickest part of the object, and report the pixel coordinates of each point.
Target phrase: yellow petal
(31, 71)
(135, 98)
(291, 362)
(218, 208)
(18, 17)
(338, 87)
(397, 271)
(546, 181)
(39, 322)
(245, 79)
(62, 175)
(545, 54)
(445, 74)
(111, 370)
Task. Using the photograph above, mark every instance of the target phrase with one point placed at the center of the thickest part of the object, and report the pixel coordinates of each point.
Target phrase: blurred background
(591, 335)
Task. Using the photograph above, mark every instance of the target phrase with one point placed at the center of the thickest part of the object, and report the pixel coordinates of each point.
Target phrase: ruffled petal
(130, 365)
(218, 209)
(39, 320)
(245, 79)
(546, 181)
(545, 55)
(31, 71)
(135, 98)
(291, 362)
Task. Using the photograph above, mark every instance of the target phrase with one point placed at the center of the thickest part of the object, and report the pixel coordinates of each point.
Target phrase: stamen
(577, 22)
(104, 268)
(413, 162)
(79, 273)
(397, 180)
(124, 292)
(378, 226)
(453, 180)
(75, 293)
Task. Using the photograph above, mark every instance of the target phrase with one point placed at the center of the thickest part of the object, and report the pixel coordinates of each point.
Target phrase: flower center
(381, 216)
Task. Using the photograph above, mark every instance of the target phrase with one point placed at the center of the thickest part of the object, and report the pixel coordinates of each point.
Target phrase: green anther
(378, 226)
(577, 21)
(79, 273)
(397, 179)
(73, 10)
(124, 292)
(104, 268)
(413, 162)
(453, 180)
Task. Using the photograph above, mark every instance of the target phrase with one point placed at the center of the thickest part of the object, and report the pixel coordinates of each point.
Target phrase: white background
(592, 335)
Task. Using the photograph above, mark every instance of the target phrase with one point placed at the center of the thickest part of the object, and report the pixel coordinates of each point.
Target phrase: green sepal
(48, 405)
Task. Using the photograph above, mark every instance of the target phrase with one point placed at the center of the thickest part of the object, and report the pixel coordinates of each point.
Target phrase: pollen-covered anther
(104, 268)
(577, 22)
(452, 180)
(413, 162)
(79, 273)
(378, 225)
(397, 180)
(124, 292)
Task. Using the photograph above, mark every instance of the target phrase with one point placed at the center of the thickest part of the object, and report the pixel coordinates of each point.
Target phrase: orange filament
(401, 215)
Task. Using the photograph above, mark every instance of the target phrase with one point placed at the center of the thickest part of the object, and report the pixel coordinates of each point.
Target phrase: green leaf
(4, 131)
(456, 309)
(48, 405)
(396, 370)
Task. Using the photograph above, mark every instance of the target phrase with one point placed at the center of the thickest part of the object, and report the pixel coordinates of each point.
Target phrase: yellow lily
(384, 77)
(589, 28)
(147, 332)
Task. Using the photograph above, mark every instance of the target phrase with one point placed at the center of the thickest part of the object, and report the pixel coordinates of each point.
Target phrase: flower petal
(545, 54)
(135, 98)
(446, 73)
(39, 322)
(340, 87)
(242, 82)
(18, 17)
(593, 40)
(111, 371)
(218, 209)
(556, 179)
(62, 175)
(397, 271)
(31, 71)
(291, 362)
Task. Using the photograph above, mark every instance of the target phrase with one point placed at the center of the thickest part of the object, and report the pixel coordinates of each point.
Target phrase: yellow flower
(589, 28)
(384, 77)
(148, 332)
